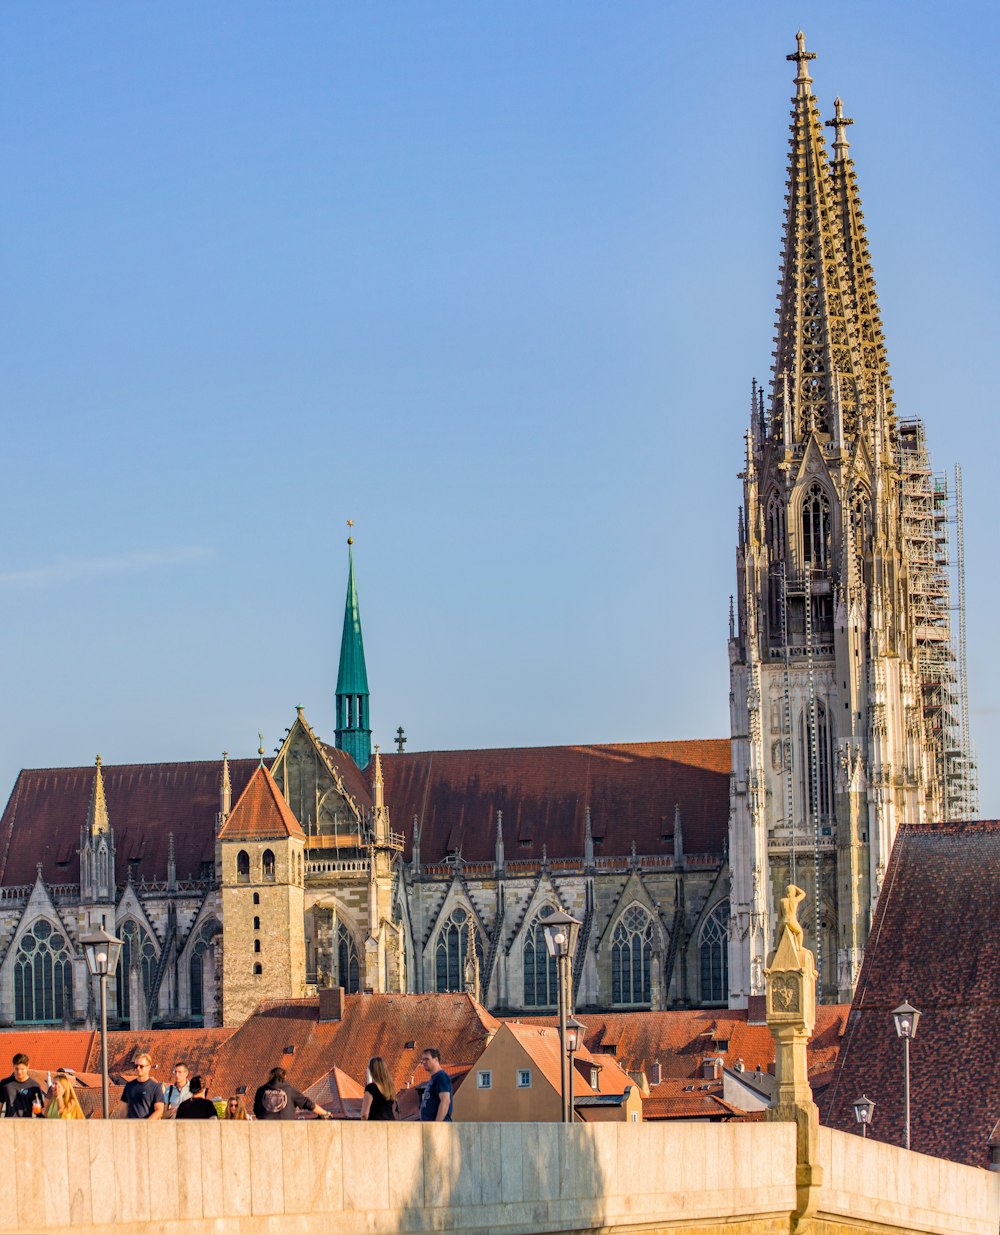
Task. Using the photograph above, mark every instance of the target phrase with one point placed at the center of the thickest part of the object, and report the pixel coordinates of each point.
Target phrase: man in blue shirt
(435, 1105)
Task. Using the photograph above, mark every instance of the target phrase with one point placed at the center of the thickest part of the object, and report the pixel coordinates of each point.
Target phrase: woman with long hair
(236, 1108)
(63, 1102)
(379, 1101)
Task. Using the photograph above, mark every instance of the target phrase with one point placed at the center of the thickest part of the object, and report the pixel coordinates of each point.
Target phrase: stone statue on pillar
(790, 983)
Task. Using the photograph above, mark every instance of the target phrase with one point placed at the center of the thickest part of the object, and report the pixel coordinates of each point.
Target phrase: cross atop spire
(802, 58)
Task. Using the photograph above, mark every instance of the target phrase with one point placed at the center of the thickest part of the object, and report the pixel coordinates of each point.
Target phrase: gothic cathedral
(843, 685)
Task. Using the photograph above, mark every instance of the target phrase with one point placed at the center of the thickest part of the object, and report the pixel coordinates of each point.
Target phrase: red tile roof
(935, 943)
(679, 1041)
(677, 1098)
(146, 802)
(371, 1025)
(48, 1049)
(631, 789)
(261, 812)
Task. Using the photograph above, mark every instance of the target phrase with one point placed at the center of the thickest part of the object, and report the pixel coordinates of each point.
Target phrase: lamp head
(906, 1017)
(863, 1109)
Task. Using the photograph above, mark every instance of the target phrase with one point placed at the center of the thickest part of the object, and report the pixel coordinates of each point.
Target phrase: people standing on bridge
(236, 1108)
(379, 1101)
(144, 1096)
(435, 1104)
(63, 1102)
(198, 1105)
(179, 1089)
(20, 1096)
(276, 1099)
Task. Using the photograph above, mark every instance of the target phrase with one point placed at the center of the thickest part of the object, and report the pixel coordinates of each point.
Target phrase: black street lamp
(906, 1017)
(863, 1110)
(575, 1033)
(561, 930)
(102, 950)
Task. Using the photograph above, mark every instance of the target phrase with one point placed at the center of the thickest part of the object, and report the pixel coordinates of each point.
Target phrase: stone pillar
(791, 1015)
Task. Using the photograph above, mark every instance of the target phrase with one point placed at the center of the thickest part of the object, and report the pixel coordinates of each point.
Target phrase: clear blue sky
(491, 280)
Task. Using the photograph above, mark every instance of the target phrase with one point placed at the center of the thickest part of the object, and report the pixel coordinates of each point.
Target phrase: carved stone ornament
(785, 993)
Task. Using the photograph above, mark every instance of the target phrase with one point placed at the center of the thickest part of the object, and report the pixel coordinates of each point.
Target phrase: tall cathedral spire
(858, 264)
(815, 339)
(353, 733)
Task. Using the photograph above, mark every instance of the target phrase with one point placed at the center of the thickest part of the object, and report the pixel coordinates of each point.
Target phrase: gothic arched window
(860, 527)
(268, 864)
(137, 949)
(348, 969)
(818, 783)
(631, 957)
(540, 972)
(714, 951)
(242, 867)
(775, 527)
(451, 950)
(196, 967)
(43, 976)
(816, 539)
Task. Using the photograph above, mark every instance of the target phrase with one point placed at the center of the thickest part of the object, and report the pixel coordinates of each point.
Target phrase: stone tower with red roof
(261, 858)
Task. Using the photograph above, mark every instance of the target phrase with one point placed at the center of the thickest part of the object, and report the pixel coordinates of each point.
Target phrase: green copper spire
(353, 733)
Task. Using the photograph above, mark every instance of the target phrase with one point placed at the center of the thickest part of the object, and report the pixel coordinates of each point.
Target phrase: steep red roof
(632, 791)
(371, 1025)
(935, 943)
(48, 1049)
(146, 802)
(679, 1041)
(261, 812)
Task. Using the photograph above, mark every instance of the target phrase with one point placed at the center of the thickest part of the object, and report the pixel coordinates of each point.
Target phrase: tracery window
(775, 527)
(43, 976)
(818, 784)
(451, 950)
(348, 968)
(816, 528)
(860, 527)
(541, 983)
(631, 957)
(714, 952)
(138, 949)
(196, 967)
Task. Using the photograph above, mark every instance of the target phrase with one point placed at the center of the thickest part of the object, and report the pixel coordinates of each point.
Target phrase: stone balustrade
(305, 1177)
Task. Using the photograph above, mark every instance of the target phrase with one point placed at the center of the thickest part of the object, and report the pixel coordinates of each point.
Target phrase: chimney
(756, 1009)
(655, 1073)
(711, 1067)
(331, 1003)
(739, 1066)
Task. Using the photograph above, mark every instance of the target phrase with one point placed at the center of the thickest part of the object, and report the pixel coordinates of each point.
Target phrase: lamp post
(575, 1031)
(560, 931)
(102, 950)
(863, 1110)
(906, 1017)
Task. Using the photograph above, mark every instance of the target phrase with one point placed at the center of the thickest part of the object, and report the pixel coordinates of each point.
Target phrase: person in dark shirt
(197, 1106)
(276, 1099)
(20, 1096)
(435, 1105)
(379, 1101)
(143, 1096)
